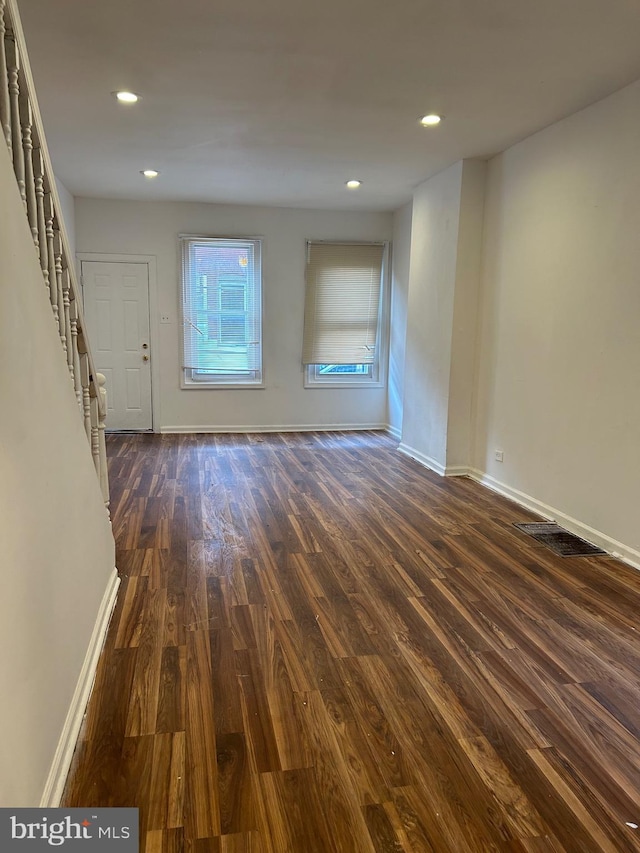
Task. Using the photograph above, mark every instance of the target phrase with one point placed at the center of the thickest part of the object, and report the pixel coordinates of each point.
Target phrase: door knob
(145, 358)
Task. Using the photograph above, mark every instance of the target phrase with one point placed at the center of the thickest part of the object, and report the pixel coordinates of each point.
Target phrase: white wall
(434, 248)
(152, 228)
(559, 355)
(398, 324)
(56, 548)
(465, 314)
(444, 281)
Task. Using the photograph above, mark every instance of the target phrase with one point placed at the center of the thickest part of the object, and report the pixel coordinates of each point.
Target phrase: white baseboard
(57, 777)
(273, 428)
(457, 471)
(427, 461)
(612, 546)
(394, 432)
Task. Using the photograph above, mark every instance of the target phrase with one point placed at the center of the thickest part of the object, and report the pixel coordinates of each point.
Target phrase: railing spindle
(13, 71)
(66, 301)
(95, 433)
(75, 353)
(86, 395)
(26, 118)
(102, 414)
(5, 109)
(51, 260)
(62, 318)
(38, 168)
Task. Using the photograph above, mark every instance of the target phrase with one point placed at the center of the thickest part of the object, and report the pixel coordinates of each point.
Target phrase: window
(222, 312)
(343, 339)
(340, 374)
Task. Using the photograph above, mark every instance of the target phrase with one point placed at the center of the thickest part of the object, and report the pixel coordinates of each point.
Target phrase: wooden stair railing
(23, 132)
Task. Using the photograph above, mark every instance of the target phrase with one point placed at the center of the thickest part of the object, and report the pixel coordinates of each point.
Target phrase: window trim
(378, 376)
(231, 381)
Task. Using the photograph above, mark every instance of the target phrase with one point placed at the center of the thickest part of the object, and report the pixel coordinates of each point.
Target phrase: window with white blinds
(343, 310)
(222, 311)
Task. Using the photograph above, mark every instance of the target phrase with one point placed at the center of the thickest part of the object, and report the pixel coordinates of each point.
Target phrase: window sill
(309, 384)
(221, 386)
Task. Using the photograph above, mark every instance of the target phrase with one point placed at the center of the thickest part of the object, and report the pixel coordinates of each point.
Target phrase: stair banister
(23, 131)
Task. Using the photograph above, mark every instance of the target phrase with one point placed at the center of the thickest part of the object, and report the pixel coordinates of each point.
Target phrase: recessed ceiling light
(353, 185)
(430, 120)
(126, 97)
(150, 173)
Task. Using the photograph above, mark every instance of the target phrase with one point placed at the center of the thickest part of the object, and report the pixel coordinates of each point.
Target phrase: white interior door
(116, 311)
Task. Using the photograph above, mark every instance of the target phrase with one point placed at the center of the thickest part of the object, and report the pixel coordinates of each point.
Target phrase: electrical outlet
(165, 318)
(499, 456)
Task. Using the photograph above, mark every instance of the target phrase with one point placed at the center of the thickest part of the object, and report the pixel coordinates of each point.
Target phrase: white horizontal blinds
(342, 303)
(222, 307)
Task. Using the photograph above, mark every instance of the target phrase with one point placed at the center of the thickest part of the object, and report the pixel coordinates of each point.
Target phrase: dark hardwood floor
(321, 646)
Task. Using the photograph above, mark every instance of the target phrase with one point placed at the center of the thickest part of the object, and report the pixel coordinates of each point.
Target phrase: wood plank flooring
(321, 647)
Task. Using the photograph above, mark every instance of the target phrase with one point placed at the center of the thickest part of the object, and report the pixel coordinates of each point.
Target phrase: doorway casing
(154, 317)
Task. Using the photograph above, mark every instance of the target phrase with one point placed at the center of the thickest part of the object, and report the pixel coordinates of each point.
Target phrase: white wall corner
(59, 770)
(394, 431)
(457, 471)
(400, 260)
(427, 461)
(432, 464)
(573, 525)
(465, 316)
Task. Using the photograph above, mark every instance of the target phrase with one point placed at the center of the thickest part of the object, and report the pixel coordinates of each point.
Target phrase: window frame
(226, 381)
(377, 375)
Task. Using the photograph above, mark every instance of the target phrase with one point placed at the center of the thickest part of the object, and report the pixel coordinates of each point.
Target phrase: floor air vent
(559, 540)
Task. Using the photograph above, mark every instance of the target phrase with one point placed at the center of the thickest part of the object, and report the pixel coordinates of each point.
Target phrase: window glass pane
(343, 368)
(222, 310)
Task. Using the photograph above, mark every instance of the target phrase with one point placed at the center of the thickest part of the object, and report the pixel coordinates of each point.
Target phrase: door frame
(154, 317)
